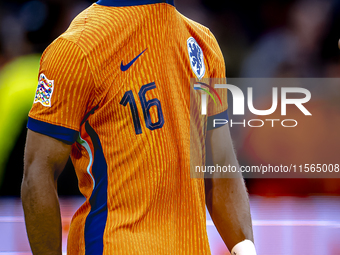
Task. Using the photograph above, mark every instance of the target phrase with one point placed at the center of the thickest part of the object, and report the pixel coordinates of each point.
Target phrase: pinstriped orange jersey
(116, 85)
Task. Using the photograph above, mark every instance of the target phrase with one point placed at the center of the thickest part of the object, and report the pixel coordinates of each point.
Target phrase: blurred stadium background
(263, 38)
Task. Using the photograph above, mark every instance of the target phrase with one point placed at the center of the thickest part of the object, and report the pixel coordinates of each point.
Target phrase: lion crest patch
(196, 58)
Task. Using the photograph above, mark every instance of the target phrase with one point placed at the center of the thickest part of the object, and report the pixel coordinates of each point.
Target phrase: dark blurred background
(264, 38)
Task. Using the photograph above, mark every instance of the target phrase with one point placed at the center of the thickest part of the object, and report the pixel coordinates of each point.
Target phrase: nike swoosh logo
(126, 67)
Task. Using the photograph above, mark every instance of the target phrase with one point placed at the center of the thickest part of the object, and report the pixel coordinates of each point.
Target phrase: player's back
(132, 157)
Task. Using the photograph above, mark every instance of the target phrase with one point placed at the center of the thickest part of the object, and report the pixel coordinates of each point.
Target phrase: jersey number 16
(146, 105)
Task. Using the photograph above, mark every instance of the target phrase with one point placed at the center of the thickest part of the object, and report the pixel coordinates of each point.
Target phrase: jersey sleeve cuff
(217, 120)
(66, 135)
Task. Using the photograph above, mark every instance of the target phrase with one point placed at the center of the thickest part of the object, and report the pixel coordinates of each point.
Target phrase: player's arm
(227, 198)
(45, 158)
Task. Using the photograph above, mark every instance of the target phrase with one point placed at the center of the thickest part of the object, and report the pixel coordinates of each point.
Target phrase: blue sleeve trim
(221, 119)
(66, 135)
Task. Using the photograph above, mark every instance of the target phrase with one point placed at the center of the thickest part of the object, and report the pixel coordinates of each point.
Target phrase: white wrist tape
(245, 247)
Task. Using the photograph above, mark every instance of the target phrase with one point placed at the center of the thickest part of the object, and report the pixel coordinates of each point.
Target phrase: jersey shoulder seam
(86, 59)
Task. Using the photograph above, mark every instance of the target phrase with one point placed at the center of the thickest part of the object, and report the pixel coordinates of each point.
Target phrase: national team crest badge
(196, 58)
(44, 91)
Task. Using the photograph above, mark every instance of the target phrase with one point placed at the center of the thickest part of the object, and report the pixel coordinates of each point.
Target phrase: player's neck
(122, 3)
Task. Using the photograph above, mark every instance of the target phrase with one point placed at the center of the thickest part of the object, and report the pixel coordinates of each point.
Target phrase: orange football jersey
(116, 85)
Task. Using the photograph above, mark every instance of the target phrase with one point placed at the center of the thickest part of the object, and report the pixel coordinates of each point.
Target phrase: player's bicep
(45, 157)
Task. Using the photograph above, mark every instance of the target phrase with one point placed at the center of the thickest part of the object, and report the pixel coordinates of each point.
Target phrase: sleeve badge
(44, 91)
(196, 58)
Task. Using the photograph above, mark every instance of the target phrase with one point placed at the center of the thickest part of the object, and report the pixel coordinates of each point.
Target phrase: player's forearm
(42, 215)
(226, 195)
(227, 201)
(228, 204)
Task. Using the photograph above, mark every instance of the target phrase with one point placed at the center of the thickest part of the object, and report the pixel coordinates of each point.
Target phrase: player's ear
(339, 43)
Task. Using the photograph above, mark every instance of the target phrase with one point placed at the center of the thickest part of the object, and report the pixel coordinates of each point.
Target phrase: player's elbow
(25, 189)
(36, 178)
(28, 183)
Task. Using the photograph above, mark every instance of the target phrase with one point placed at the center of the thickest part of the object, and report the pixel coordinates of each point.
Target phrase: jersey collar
(122, 3)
